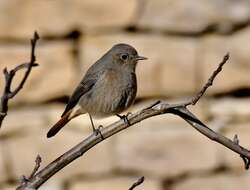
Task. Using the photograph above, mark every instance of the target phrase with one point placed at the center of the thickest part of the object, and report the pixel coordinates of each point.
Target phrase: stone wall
(184, 41)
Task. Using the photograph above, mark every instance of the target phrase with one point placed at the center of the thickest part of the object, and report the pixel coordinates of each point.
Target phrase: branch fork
(9, 75)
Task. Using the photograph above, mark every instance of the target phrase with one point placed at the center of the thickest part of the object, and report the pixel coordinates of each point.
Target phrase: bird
(108, 88)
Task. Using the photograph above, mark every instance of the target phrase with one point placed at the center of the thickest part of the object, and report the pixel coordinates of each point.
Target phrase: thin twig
(236, 139)
(7, 93)
(153, 104)
(137, 183)
(157, 109)
(38, 162)
(209, 83)
(24, 180)
(30, 65)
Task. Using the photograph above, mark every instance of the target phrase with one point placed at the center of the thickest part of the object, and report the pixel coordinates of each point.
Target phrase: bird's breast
(112, 94)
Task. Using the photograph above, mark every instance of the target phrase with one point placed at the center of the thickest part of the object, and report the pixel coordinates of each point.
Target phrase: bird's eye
(124, 57)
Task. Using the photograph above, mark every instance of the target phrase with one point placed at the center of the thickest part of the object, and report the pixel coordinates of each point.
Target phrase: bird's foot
(124, 118)
(98, 131)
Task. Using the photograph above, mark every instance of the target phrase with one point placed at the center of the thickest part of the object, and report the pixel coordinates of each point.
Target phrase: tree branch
(7, 93)
(157, 108)
(137, 183)
(24, 179)
(209, 83)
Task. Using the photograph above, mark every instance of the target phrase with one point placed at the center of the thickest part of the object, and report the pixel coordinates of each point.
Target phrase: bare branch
(30, 65)
(24, 180)
(137, 183)
(209, 83)
(157, 108)
(116, 127)
(37, 166)
(7, 93)
(185, 114)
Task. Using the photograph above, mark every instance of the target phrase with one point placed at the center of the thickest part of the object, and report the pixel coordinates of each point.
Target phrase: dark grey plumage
(108, 87)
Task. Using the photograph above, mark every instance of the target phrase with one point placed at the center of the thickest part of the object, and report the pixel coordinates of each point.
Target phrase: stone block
(160, 148)
(96, 161)
(218, 182)
(20, 122)
(233, 109)
(20, 19)
(235, 74)
(193, 16)
(3, 172)
(8, 187)
(52, 78)
(114, 183)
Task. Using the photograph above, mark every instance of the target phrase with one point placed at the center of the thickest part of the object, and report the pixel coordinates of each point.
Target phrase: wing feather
(85, 86)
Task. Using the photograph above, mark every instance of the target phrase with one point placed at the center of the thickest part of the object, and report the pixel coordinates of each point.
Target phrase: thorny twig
(137, 183)
(8, 93)
(156, 109)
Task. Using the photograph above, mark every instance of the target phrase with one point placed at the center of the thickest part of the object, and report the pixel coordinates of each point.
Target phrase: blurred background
(184, 41)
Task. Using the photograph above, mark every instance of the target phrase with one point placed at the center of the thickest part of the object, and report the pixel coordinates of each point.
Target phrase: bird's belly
(112, 94)
(105, 102)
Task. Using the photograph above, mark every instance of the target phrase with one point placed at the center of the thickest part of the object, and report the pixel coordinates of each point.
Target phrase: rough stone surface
(193, 16)
(218, 182)
(166, 73)
(54, 76)
(23, 121)
(158, 148)
(115, 183)
(235, 74)
(8, 187)
(20, 19)
(3, 176)
(232, 109)
(52, 185)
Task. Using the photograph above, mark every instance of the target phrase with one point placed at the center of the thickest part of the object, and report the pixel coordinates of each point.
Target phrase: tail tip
(49, 134)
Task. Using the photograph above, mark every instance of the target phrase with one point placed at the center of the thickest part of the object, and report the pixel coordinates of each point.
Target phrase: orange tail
(58, 126)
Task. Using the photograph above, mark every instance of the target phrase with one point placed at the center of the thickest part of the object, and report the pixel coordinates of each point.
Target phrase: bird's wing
(85, 86)
(131, 92)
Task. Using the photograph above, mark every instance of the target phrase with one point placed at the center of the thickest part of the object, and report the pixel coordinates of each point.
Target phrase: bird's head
(125, 54)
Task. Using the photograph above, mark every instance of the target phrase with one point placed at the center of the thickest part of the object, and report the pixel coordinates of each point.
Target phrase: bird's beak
(140, 58)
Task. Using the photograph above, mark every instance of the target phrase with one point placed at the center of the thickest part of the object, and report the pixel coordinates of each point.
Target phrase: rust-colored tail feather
(59, 125)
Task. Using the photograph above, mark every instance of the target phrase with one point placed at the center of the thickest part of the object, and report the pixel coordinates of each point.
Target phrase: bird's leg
(124, 118)
(98, 130)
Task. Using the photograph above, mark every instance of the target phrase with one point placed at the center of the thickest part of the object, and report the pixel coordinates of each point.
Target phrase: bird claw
(125, 118)
(98, 131)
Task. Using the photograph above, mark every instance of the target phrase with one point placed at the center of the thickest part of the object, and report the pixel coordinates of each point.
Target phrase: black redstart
(108, 87)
